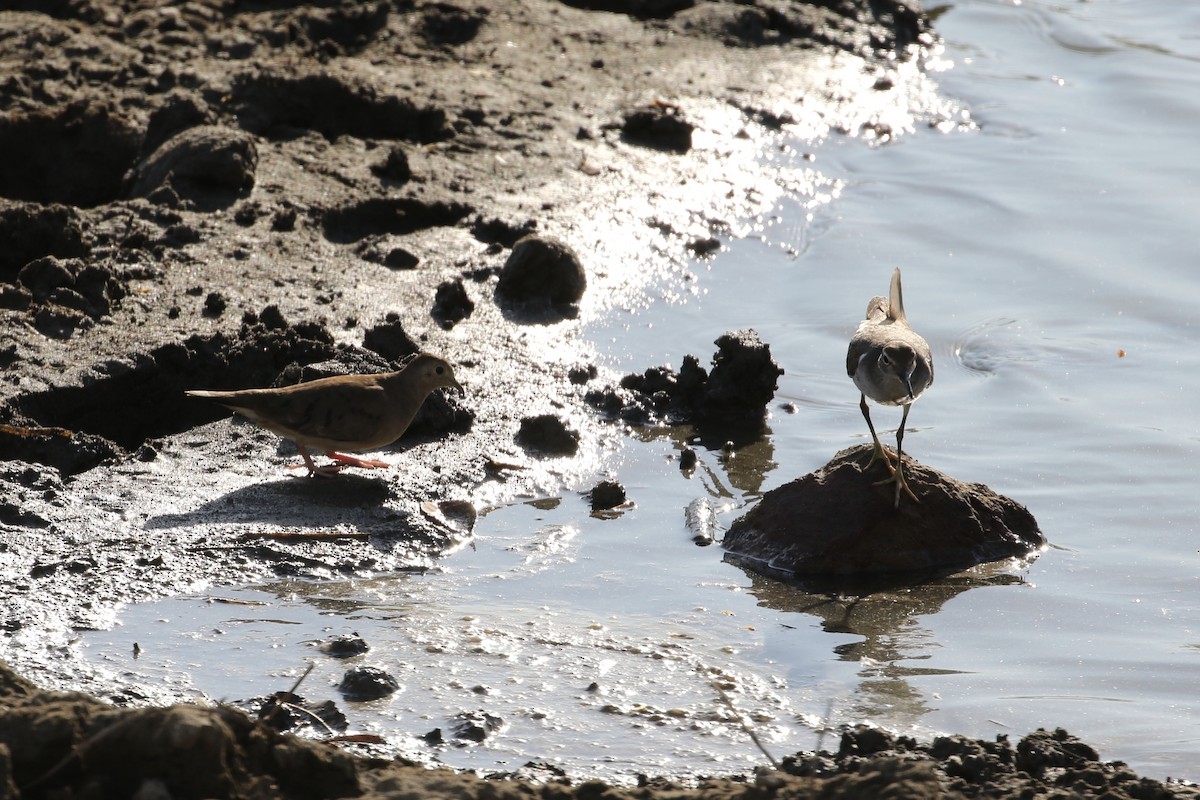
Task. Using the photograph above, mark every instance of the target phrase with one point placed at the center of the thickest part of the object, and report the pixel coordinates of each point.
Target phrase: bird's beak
(461, 390)
(907, 378)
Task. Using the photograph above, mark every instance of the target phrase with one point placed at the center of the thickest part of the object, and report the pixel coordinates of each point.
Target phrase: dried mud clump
(837, 524)
(547, 435)
(542, 280)
(735, 393)
(659, 126)
(209, 167)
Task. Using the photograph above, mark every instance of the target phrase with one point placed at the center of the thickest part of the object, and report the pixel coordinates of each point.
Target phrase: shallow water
(1046, 258)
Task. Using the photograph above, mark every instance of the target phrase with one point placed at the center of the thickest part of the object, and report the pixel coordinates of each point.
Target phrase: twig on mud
(745, 724)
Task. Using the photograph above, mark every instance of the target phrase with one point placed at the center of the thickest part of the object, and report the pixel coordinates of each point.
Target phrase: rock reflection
(887, 618)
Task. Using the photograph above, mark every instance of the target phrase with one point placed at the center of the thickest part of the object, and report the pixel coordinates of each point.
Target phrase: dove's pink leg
(354, 461)
(313, 470)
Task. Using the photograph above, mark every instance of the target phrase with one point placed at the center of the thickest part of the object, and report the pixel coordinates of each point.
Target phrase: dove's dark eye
(441, 370)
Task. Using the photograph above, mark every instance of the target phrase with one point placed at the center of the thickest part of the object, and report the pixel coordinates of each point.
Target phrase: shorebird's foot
(901, 484)
(884, 455)
(354, 461)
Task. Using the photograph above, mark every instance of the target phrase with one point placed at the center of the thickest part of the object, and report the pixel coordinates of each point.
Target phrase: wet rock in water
(345, 646)
(475, 726)
(735, 393)
(542, 275)
(548, 435)
(606, 494)
(659, 126)
(451, 304)
(367, 683)
(209, 165)
(688, 460)
(835, 525)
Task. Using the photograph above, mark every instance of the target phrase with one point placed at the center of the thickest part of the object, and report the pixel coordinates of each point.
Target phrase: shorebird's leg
(898, 474)
(354, 461)
(881, 453)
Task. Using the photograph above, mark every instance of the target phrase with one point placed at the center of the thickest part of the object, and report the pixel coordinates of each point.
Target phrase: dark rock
(606, 495)
(389, 340)
(345, 646)
(497, 231)
(548, 435)
(395, 167)
(209, 165)
(43, 276)
(742, 381)
(451, 304)
(687, 459)
(659, 126)
(367, 683)
(399, 258)
(835, 523)
(69, 452)
(734, 395)
(475, 726)
(580, 375)
(30, 232)
(447, 24)
(214, 304)
(542, 274)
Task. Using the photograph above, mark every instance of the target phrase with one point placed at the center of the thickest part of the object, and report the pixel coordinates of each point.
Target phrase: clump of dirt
(735, 394)
(543, 280)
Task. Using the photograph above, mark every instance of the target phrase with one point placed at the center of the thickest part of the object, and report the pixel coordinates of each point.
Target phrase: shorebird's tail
(896, 299)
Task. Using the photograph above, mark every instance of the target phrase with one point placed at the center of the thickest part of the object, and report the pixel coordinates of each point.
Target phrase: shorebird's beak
(907, 378)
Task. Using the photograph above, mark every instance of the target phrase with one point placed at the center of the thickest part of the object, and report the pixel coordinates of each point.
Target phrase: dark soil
(221, 194)
(69, 745)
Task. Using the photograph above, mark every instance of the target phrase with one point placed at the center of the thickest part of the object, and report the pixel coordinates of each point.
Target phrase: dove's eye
(441, 370)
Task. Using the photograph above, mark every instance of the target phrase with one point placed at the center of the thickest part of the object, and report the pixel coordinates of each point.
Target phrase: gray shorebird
(890, 363)
(345, 412)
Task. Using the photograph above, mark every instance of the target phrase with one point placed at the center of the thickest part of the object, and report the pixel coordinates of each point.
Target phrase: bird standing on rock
(890, 363)
(345, 412)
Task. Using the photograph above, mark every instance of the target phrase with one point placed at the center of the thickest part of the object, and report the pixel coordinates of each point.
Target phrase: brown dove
(345, 412)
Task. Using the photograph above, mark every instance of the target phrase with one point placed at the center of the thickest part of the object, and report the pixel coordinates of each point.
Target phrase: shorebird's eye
(883, 359)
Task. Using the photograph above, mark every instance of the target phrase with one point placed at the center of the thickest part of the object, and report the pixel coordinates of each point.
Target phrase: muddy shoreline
(225, 194)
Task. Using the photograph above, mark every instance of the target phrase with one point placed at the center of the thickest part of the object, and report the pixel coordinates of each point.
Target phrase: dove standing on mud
(890, 363)
(345, 412)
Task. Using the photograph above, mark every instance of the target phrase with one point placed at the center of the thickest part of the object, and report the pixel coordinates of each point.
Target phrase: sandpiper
(890, 363)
